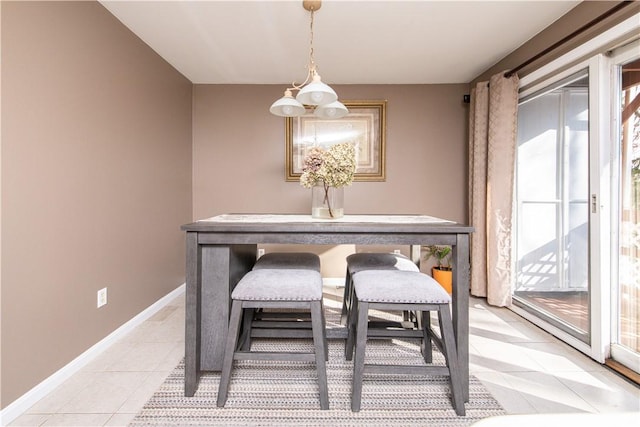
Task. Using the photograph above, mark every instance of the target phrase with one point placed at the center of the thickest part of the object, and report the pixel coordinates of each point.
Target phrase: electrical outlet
(260, 252)
(102, 297)
(396, 251)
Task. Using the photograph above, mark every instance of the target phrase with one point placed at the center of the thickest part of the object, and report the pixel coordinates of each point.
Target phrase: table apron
(212, 238)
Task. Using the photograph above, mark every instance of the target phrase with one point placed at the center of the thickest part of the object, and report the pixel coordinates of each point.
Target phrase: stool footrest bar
(405, 369)
(281, 333)
(281, 356)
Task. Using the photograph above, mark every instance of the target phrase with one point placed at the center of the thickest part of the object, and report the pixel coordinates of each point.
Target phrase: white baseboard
(337, 282)
(24, 402)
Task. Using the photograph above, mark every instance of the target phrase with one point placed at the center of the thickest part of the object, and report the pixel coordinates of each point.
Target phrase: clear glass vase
(327, 202)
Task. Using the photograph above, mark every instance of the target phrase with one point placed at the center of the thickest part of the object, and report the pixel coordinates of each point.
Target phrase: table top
(306, 223)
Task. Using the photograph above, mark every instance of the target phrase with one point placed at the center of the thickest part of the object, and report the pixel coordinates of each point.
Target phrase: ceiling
(355, 41)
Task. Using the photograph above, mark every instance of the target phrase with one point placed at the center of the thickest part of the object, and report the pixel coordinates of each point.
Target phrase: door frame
(597, 239)
(619, 56)
(592, 54)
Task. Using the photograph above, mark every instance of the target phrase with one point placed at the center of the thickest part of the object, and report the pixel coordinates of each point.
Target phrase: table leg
(192, 315)
(212, 273)
(222, 269)
(460, 258)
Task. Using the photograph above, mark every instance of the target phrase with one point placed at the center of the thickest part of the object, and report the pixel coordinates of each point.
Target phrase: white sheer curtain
(492, 147)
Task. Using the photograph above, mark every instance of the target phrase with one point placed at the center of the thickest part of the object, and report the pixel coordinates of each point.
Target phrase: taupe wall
(96, 181)
(238, 155)
(238, 152)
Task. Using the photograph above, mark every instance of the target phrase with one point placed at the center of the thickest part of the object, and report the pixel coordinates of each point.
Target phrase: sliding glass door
(577, 201)
(625, 346)
(552, 214)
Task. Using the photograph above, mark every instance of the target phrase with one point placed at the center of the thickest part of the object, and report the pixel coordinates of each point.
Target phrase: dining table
(220, 250)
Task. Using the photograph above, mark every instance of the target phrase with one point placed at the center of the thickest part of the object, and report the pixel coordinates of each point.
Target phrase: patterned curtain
(492, 147)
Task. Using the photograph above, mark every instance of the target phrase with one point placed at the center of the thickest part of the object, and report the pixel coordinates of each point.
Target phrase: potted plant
(442, 271)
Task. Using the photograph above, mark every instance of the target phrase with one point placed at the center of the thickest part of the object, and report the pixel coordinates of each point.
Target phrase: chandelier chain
(311, 67)
(311, 61)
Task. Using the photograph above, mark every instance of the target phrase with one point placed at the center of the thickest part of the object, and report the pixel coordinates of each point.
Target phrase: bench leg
(351, 332)
(427, 348)
(324, 332)
(245, 337)
(361, 343)
(320, 347)
(346, 299)
(451, 356)
(230, 347)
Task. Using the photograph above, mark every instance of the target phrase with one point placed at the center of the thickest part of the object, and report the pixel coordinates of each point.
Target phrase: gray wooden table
(220, 250)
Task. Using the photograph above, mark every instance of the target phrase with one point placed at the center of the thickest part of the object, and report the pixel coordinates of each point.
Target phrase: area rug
(286, 393)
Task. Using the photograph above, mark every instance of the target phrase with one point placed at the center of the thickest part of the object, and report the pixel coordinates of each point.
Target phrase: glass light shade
(333, 110)
(316, 93)
(287, 106)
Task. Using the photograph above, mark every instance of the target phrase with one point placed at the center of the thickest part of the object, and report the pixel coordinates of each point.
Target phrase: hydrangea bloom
(334, 167)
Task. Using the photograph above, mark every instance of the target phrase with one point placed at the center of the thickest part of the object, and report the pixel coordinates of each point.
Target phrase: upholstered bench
(402, 290)
(371, 261)
(278, 289)
(297, 260)
(280, 323)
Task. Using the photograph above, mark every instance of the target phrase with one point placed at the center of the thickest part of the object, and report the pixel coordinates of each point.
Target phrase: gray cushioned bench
(297, 260)
(280, 323)
(279, 289)
(402, 290)
(373, 261)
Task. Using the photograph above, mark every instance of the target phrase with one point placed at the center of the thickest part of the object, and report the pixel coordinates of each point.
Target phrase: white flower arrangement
(334, 167)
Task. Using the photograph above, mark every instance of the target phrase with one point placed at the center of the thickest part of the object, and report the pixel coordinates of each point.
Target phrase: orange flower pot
(444, 277)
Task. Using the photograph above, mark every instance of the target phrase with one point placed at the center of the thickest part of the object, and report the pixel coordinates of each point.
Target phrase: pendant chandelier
(312, 92)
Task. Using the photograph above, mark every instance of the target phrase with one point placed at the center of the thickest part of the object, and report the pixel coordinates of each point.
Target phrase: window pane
(552, 176)
(538, 122)
(538, 248)
(629, 267)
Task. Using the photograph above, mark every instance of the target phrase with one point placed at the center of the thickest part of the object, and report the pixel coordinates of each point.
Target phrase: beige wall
(238, 152)
(238, 155)
(96, 181)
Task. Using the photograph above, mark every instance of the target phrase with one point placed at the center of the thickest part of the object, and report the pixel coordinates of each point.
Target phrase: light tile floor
(527, 370)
